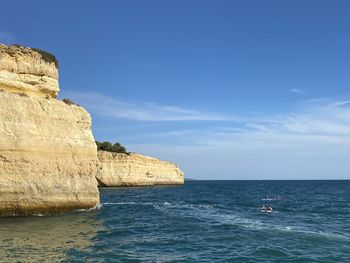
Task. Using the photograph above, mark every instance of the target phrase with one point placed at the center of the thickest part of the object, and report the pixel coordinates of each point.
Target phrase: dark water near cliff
(217, 221)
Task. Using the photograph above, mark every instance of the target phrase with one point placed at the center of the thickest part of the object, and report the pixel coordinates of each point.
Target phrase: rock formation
(48, 156)
(119, 169)
(24, 70)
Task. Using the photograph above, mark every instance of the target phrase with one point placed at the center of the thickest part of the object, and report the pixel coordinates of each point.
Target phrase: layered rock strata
(25, 71)
(118, 169)
(48, 156)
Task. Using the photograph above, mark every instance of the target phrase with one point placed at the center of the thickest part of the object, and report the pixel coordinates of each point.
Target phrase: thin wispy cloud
(297, 91)
(329, 119)
(7, 38)
(318, 117)
(312, 143)
(143, 111)
(326, 122)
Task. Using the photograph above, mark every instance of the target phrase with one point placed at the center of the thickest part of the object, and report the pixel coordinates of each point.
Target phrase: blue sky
(226, 89)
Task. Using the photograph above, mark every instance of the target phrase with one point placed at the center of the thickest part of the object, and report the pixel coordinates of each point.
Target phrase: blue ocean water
(202, 221)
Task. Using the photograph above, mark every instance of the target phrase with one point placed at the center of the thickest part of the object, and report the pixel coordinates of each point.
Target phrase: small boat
(265, 209)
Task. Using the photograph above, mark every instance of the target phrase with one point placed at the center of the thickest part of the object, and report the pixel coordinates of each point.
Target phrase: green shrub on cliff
(109, 147)
(105, 146)
(118, 148)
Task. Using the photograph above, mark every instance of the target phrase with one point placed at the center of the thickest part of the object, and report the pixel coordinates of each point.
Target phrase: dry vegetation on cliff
(46, 56)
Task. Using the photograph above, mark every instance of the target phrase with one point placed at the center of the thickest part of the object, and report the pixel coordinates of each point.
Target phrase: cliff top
(28, 71)
(15, 50)
(25, 60)
(103, 155)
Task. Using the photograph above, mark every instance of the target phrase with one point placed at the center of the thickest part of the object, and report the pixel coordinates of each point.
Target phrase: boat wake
(214, 216)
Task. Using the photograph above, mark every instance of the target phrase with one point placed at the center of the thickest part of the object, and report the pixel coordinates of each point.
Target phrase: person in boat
(265, 208)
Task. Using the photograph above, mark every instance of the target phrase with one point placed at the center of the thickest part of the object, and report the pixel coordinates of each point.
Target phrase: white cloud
(107, 106)
(311, 144)
(7, 38)
(324, 119)
(299, 91)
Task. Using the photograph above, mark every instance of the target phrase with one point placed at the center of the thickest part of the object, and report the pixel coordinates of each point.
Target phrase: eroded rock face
(118, 169)
(48, 156)
(23, 70)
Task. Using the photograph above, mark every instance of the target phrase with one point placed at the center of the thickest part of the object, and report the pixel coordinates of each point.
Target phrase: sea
(201, 221)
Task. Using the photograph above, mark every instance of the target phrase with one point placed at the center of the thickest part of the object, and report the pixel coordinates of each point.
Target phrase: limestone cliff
(48, 156)
(24, 70)
(118, 169)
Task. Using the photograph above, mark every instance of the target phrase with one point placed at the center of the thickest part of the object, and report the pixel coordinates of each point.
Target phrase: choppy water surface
(202, 221)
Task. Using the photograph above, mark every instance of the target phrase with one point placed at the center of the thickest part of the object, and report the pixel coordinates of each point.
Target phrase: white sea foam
(96, 207)
(119, 203)
(127, 203)
(208, 212)
(37, 215)
(316, 233)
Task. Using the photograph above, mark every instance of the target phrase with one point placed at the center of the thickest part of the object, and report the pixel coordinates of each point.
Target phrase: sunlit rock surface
(118, 169)
(48, 156)
(23, 70)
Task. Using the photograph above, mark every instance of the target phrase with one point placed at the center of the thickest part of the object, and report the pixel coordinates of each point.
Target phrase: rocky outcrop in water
(48, 156)
(119, 169)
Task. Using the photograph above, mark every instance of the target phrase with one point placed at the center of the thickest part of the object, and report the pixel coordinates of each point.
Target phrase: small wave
(205, 206)
(38, 215)
(182, 208)
(128, 203)
(314, 233)
(119, 203)
(270, 199)
(258, 225)
(163, 205)
(96, 207)
(328, 235)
